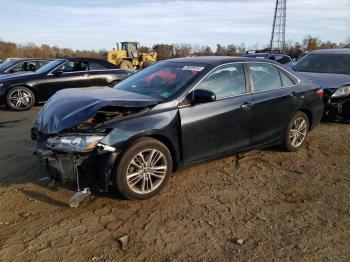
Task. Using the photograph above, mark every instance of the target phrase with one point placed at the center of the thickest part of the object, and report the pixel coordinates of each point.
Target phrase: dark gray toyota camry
(173, 114)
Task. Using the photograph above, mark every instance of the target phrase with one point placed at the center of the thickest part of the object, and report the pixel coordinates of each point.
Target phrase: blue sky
(97, 24)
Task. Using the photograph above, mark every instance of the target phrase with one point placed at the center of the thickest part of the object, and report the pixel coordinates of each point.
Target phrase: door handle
(86, 75)
(246, 106)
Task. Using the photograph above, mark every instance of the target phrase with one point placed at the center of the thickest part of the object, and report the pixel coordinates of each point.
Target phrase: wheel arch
(308, 113)
(163, 139)
(26, 86)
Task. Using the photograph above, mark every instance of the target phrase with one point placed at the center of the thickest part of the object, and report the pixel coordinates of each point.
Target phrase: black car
(330, 68)
(280, 58)
(21, 92)
(21, 65)
(173, 114)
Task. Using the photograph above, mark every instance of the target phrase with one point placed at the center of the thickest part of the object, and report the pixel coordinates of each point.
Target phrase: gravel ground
(259, 206)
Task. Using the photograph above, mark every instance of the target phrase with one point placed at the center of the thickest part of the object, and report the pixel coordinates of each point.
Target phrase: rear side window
(225, 81)
(286, 81)
(264, 76)
(96, 66)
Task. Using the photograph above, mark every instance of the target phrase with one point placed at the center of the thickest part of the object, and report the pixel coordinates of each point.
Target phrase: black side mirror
(57, 73)
(202, 96)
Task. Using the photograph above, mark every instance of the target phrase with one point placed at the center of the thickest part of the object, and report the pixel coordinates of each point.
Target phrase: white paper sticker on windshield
(193, 68)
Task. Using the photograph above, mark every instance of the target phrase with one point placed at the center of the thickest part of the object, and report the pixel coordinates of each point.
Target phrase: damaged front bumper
(88, 168)
(337, 108)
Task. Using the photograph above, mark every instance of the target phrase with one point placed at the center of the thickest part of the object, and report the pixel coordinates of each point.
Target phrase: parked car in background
(330, 68)
(137, 133)
(21, 65)
(21, 92)
(280, 58)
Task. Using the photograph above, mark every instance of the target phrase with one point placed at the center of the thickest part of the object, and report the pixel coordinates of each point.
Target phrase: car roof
(217, 60)
(335, 51)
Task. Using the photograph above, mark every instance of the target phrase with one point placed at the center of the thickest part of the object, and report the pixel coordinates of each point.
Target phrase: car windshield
(161, 80)
(48, 67)
(332, 64)
(6, 64)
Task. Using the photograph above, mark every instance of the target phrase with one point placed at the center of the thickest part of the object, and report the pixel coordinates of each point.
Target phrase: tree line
(164, 51)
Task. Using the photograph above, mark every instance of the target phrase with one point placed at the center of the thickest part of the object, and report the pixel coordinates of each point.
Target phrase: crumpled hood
(327, 81)
(70, 107)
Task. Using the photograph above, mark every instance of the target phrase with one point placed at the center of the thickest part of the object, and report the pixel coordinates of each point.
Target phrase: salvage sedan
(21, 92)
(134, 135)
(331, 70)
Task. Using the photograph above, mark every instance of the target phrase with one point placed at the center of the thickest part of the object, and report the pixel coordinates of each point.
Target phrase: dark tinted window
(96, 66)
(225, 81)
(75, 66)
(283, 59)
(264, 76)
(333, 64)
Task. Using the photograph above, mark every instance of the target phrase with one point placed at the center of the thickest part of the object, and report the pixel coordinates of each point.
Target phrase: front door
(214, 128)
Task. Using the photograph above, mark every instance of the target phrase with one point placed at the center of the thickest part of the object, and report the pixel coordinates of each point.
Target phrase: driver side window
(75, 66)
(225, 81)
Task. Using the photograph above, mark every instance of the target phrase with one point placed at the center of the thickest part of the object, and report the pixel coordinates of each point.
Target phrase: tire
(20, 98)
(130, 164)
(296, 132)
(126, 65)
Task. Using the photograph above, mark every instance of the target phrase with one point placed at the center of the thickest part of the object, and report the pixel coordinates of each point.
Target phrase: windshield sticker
(193, 68)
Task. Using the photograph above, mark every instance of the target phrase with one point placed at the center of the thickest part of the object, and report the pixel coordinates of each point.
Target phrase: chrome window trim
(251, 92)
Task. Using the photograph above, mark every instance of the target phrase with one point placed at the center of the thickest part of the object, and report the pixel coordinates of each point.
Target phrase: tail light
(319, 92)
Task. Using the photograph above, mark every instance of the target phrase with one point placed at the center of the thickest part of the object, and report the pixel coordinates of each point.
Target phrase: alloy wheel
(146, 171)
(298, 132)
(20, 99)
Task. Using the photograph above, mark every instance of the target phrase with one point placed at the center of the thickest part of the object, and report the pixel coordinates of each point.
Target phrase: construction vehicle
(130, 57)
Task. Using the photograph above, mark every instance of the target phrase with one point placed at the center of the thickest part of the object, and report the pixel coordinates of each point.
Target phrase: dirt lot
(286, 206)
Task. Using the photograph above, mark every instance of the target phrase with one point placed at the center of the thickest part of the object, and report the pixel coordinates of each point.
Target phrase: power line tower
(279, 27)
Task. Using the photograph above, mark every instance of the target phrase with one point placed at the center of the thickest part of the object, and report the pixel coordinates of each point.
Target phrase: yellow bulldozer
(130, 57)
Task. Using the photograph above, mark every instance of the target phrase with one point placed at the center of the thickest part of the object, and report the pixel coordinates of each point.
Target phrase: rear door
(99, 75)
(214, 128)
(276, 99)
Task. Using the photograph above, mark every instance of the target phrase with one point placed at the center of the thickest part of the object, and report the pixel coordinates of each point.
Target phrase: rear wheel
(20, 98)
(296, 132)
(126, 65)
(143, 169)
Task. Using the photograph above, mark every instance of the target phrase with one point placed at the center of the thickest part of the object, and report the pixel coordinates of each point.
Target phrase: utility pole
(278, 40)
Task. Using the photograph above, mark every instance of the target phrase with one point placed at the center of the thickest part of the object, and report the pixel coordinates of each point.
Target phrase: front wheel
(296, 132)
(143, 169)
(20, 98)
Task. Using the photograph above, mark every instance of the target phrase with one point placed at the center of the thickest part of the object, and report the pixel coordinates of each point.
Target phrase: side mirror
(202, 96)
(57, 73)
